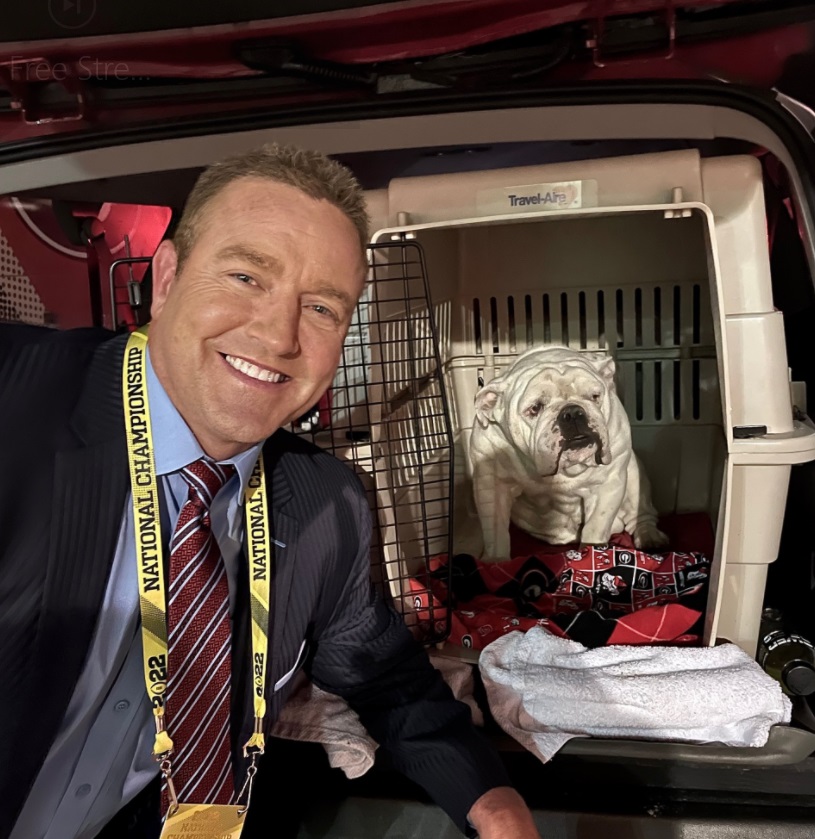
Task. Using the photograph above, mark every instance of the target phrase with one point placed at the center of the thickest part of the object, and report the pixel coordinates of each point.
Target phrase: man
(251, 303)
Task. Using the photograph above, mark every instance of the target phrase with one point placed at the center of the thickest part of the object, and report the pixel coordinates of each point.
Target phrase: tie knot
(206, 478)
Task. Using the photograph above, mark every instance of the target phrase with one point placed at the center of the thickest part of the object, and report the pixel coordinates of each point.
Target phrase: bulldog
(551, 451)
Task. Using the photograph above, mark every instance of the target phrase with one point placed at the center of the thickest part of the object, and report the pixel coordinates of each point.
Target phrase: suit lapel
(90, 486)
(286, 532)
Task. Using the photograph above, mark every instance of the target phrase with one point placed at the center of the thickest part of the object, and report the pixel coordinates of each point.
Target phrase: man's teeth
(253, 371)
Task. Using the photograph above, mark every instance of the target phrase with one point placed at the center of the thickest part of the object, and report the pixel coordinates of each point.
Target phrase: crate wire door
(389, 418)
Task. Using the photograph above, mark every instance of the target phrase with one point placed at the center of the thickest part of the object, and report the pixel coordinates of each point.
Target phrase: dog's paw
(648, 537)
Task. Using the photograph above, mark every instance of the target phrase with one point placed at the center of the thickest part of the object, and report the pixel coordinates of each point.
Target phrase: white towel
(313, 716)
(544, 690)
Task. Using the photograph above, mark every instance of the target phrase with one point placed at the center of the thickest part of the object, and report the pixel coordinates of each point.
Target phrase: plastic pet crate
(660, 260)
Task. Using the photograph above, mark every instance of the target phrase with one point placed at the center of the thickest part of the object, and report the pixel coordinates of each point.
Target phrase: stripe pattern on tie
(199, 637)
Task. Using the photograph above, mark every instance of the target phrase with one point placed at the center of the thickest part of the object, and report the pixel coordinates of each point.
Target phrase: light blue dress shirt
(102, 755)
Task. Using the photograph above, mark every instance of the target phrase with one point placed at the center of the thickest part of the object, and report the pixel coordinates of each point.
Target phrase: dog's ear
(489, 403)
(605, 366)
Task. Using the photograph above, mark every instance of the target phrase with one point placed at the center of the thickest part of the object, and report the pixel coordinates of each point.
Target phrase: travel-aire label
(566, 195)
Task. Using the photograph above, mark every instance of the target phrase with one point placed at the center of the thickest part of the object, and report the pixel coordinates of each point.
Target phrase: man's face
(247, 335)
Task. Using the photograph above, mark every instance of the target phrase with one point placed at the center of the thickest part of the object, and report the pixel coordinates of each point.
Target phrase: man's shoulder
(42, 372)
(300, 458)
(21, 340)
(12, 332)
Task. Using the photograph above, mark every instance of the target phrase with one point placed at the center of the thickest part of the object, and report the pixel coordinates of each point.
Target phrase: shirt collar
(174, 444)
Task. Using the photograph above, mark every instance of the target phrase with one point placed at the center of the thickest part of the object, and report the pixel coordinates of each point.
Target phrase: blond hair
(312, 172)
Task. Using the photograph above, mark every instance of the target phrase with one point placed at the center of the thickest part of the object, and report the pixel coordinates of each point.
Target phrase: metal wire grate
(387, 415)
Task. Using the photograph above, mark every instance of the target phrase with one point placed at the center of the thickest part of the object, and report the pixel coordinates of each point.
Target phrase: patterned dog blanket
(612, 594)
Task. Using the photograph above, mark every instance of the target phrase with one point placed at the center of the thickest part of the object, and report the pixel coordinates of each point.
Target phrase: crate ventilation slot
(663, 345)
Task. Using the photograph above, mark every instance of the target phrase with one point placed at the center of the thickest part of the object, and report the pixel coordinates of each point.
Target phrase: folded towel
(544, 690)
(311, 715)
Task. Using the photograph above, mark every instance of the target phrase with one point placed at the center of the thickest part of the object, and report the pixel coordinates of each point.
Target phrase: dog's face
(554, 405)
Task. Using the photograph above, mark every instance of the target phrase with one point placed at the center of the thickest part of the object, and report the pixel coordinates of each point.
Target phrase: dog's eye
(534, 409)
(596, 397)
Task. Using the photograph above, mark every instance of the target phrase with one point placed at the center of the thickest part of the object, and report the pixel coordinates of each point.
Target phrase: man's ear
(165, 267)
(489, 403)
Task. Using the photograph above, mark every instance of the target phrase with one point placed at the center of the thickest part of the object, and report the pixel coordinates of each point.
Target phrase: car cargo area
(683, 258)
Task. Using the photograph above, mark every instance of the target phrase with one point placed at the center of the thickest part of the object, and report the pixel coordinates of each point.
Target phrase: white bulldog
(551, 451)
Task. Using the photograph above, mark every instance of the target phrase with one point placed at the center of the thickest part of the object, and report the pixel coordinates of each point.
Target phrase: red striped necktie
(199, 638)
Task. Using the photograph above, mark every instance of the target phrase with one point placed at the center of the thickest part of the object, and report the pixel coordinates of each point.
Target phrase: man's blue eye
(244, 278)
(323, 310)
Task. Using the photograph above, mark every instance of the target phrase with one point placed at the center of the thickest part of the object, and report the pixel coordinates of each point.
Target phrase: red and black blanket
(613, 594)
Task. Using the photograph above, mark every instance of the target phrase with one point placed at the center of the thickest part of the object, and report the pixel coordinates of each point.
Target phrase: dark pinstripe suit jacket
(63, 487)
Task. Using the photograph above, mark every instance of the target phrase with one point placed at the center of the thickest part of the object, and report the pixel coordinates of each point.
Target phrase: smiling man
(116, 448)
(251, 308)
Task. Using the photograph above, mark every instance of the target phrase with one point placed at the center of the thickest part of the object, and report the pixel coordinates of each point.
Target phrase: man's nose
(571, 414)
(277, 325)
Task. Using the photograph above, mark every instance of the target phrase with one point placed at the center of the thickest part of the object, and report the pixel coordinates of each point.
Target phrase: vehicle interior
(689, 256)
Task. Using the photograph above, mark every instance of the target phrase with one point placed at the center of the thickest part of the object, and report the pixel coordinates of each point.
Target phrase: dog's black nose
(571, 414)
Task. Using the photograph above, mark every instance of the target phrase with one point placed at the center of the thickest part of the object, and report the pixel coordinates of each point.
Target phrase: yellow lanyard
(150, 560)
